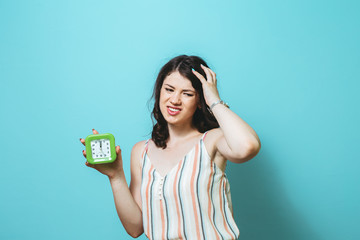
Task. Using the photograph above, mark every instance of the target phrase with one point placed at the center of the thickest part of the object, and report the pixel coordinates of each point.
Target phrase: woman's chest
(164, 161)
(191, 175)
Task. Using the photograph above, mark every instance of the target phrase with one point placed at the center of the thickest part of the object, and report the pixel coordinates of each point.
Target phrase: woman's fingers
(213, 75)
(83, 140)
(89, 165)
(209, 76)
(84, 152)
(118, 150)
(199, 76)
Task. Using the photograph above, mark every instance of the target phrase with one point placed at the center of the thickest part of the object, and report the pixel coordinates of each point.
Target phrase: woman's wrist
(215, 103)
(117, 177)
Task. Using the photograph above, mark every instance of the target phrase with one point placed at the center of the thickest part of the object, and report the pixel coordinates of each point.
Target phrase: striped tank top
(192, 201)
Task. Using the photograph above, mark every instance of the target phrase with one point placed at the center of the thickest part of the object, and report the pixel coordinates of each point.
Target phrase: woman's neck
(179, 133)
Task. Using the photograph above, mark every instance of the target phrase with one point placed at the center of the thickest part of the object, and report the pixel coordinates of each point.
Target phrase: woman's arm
(236, 140)
(128, 200)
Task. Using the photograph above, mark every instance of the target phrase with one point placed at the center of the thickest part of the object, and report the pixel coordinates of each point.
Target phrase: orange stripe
(222, 212)
(193, 192)
(147, 203)
(209, 202)
(177, 203)
(142, 155)
(162, 219)
(145, 150)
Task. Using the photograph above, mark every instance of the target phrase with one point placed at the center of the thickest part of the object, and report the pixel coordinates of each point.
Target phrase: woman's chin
(171, 120)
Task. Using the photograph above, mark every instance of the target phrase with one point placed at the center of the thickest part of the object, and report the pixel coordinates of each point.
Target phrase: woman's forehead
(176, 80)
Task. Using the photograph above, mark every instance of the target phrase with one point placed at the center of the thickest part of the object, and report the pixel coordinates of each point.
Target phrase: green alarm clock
(100, 148)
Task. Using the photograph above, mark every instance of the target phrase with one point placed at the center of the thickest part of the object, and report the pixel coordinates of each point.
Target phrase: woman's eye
(169, 89)
(188, 94)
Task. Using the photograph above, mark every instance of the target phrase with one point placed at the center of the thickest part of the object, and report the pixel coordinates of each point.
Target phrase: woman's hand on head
(112, 170)
(209, 84)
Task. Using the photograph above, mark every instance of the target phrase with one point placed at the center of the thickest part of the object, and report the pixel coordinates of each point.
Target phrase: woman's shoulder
(137, 152)
(210, 139)
(214, 134)
(139, 146)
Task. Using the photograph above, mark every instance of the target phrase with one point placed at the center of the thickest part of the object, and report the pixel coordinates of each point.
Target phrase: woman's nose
(175, 99)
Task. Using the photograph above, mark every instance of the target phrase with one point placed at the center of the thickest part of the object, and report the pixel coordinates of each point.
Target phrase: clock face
(100, 148)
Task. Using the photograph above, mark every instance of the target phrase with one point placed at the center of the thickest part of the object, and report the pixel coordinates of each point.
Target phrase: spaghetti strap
(204, 135)
(144, 152)
(147, 145)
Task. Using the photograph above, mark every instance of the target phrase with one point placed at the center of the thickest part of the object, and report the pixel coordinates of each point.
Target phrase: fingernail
(192, 69)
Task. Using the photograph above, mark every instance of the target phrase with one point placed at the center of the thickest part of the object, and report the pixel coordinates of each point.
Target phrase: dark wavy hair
(202, 120)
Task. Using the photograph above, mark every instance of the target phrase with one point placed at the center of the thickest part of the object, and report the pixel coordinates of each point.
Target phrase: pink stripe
(205, 135)
(148, 203)
(162, 220)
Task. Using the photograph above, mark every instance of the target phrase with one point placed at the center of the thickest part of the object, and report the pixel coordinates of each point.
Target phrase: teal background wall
(288, 68)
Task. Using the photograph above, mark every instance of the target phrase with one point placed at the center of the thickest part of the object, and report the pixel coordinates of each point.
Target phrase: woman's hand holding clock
(109, 169)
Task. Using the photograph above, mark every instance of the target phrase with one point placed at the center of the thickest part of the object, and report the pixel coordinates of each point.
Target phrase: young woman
(178, 187)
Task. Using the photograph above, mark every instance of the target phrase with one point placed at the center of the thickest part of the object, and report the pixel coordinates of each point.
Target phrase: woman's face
(178, 99)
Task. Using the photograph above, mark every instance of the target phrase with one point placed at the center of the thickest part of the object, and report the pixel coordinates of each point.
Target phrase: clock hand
(101, 148)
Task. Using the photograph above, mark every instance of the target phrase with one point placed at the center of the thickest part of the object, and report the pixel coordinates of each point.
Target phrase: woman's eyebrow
(184, 90)
(188, 90)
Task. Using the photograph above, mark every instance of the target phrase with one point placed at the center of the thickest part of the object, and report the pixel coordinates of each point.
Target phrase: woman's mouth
(173, 111)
